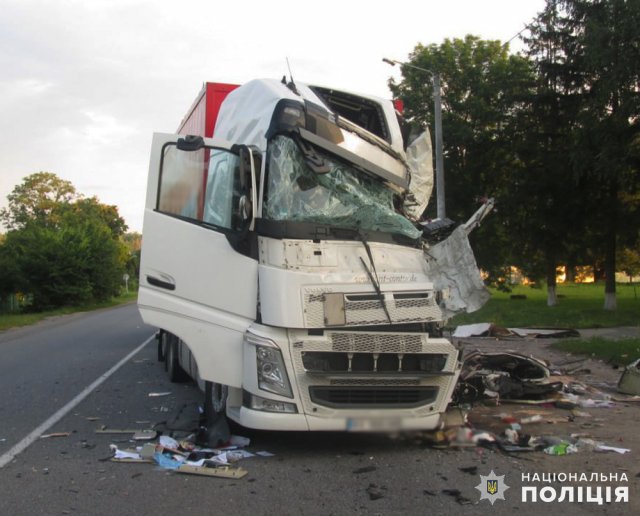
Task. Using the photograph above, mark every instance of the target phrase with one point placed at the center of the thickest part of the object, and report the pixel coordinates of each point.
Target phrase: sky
(85, 83)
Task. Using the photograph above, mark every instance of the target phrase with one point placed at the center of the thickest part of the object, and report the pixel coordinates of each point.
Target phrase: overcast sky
(85, 83)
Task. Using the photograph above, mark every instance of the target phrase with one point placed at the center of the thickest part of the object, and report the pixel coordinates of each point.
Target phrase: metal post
(437, 101)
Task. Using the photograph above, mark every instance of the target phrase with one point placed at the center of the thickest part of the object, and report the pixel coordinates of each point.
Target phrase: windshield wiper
(375, 281)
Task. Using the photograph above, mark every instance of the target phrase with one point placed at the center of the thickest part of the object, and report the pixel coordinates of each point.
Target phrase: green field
(579, 306)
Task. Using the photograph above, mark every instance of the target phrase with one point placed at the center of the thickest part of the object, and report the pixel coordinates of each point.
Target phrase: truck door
(195, 280)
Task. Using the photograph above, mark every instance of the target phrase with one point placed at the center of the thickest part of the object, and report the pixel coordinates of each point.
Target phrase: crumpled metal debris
(505, 376)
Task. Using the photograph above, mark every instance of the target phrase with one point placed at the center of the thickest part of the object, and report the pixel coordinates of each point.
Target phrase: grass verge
(15, 320)
(579, 306)
(619, 352)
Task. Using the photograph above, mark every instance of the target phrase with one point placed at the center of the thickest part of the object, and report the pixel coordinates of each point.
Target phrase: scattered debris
(505, 376)
(375, 492)
(104, 430)
(185, 457)
(158, 394)
(265, 454)
(365, 469)
(145, 435)
(455, 493)
(492, 330)
(562, 448)
(55, 434)
(219, 471)
(599, 447)
(630, 380)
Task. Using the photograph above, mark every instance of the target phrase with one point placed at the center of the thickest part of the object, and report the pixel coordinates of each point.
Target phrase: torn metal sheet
(419, 160)
(452, 267)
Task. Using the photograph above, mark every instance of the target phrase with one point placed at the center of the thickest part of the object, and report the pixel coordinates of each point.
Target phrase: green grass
(579, 306)
(619, 352)
(14, 320)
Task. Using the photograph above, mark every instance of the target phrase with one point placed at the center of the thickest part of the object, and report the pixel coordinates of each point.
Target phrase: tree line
(62, 249)
(552, 133)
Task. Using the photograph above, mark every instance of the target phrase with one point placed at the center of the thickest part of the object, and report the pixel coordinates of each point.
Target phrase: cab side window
(200, 185)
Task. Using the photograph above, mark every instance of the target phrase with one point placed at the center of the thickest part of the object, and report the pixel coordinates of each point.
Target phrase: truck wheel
(214, 429)
(172, 363)
(162, 346)
(215, 399)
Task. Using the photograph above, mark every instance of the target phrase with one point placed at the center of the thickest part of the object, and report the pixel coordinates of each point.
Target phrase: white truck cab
(283, 263)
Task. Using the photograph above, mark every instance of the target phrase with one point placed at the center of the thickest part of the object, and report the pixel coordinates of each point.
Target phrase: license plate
(373, 424)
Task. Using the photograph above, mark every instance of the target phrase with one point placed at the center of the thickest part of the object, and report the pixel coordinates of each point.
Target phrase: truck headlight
(272, 373)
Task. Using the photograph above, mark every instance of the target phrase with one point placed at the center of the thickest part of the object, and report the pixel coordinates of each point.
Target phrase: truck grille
(373, 397)
(341, 362)
(376, 342)
(367, 309)
(345, 370)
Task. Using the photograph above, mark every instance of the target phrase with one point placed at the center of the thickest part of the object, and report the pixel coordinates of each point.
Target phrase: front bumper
(371, 381)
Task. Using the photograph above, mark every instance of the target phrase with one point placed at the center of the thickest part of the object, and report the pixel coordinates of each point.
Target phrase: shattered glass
(343, 197)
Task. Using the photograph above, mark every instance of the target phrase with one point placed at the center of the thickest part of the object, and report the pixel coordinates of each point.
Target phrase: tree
(484, 88)
(600, 44)
(36, 199)
(62, 249)
(629, 262)
(554, 216)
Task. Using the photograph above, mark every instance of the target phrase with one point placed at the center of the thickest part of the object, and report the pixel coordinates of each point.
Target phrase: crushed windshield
(343, 197)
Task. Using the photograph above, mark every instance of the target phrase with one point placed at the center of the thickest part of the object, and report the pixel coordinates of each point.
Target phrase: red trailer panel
(201, 118)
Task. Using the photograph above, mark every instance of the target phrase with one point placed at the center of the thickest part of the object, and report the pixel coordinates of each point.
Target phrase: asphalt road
(44, 367)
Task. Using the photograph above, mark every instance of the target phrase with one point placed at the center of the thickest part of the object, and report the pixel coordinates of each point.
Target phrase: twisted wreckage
(284, 262)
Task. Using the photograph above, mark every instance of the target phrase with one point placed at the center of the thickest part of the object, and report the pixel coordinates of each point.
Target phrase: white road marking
(35, 434)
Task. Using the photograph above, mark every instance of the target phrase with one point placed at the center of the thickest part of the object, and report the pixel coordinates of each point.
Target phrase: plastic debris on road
(185, 456)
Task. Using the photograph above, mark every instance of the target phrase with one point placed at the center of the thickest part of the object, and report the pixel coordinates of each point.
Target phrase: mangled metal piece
(453, 269)
(506, 375)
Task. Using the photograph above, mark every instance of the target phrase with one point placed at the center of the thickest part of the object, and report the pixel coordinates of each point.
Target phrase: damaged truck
(286, 266)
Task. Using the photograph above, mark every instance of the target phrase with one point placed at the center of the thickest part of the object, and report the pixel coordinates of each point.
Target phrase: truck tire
(214, 429)
(215, 399)
(162, 346)
(172, 363)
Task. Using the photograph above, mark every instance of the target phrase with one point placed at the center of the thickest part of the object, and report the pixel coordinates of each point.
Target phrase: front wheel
(172, 362)
(215, 399)
(215, 428)
(162, 347)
